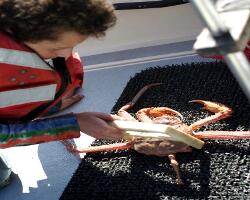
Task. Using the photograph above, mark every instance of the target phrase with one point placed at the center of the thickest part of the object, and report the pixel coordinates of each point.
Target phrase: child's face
(57, 48)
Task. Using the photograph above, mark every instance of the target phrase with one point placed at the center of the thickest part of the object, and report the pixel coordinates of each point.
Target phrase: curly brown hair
(36, 20)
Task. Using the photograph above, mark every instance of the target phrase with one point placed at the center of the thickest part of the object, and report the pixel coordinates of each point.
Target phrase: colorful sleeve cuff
(39, 131)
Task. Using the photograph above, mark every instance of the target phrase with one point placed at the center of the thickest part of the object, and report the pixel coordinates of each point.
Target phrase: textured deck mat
(221, 170)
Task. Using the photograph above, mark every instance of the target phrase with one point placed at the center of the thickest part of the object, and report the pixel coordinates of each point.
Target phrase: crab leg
(122, 112)
(124, 115)
(109, 147)
(175, 165)
(220, 110)
(223, 135)
(137, 96)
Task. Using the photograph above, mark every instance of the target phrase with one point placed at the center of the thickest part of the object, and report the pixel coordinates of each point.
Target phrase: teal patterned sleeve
(39, 131)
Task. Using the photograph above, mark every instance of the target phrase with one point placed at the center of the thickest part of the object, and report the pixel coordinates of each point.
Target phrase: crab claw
(221, 111)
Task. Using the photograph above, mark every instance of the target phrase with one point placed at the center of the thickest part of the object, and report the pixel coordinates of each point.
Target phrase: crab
(168, 116)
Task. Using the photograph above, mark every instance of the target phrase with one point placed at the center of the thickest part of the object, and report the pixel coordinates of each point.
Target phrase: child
(32, 31)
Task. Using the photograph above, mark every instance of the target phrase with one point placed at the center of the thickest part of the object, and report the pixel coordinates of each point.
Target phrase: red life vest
(30, 87)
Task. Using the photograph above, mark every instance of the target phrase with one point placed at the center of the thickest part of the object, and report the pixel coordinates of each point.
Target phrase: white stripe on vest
(28, 95)
(22, 58)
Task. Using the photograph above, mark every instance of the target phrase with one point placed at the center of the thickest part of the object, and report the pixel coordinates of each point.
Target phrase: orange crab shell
(162, 115)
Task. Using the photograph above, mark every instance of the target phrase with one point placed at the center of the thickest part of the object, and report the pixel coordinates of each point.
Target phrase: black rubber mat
(221, 170)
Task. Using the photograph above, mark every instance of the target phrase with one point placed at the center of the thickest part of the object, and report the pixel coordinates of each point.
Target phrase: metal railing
(227, 33)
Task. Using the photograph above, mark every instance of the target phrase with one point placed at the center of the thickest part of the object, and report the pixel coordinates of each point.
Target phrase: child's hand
(95, 124)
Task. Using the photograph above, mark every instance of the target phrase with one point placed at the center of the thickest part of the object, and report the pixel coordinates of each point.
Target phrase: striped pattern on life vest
(25, 95)
(22, 58)
(21, 96)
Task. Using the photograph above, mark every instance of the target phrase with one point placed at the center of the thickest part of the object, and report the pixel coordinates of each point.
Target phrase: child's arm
(39, 131)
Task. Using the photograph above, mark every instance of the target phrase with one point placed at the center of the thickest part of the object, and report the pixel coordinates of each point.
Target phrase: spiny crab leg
(223, 135)
(122, 112)
(176, 168)
(137, 96)
(221, 112)
(109, 147)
